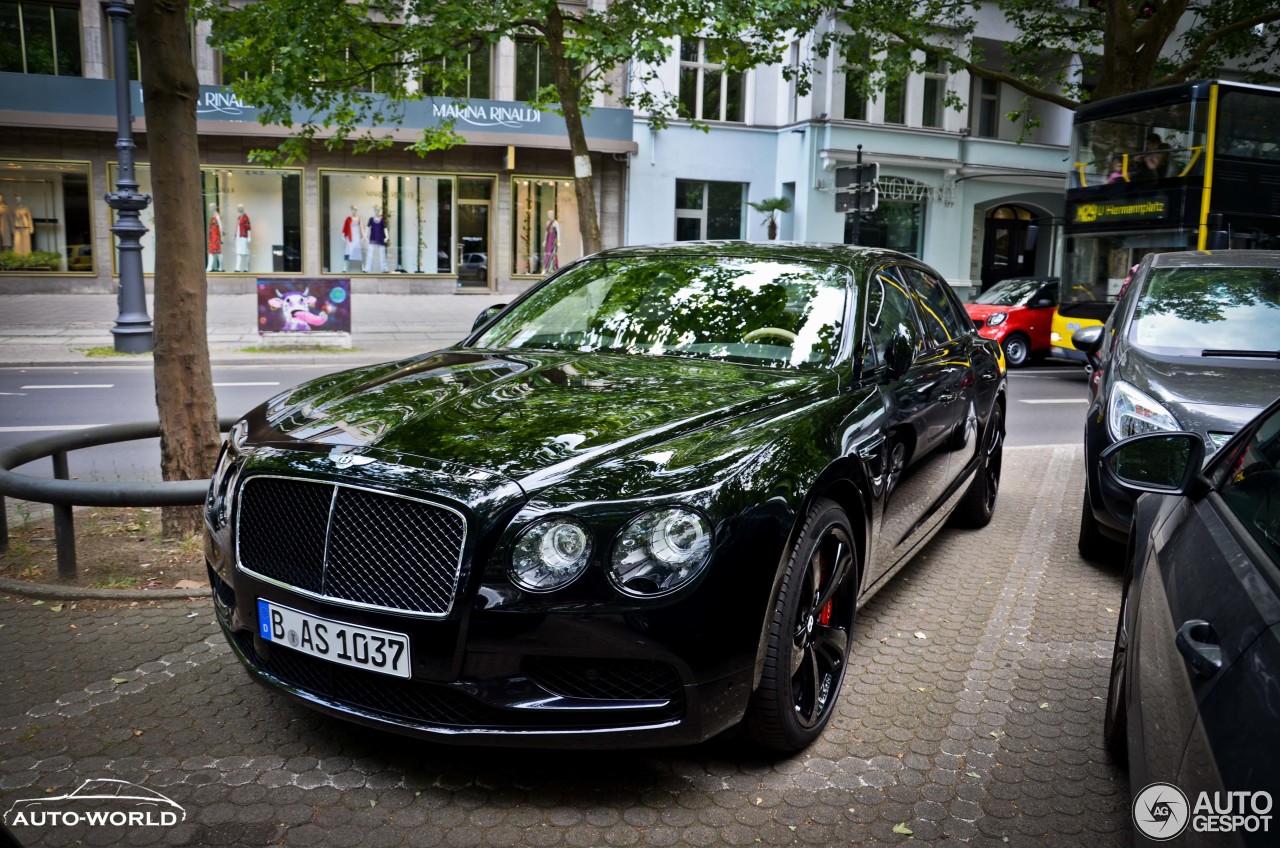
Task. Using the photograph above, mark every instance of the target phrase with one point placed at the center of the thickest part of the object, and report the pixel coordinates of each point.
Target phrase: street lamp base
(133, 339)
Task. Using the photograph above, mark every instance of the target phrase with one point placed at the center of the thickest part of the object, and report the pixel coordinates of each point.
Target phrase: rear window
(1187, 311)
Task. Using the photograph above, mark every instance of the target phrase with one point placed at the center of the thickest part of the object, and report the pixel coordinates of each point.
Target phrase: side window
(889, 311)
(1250, 485)
(936, 310)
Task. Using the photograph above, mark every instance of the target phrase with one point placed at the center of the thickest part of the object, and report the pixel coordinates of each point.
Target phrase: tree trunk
(583, 181)
(773, 227)
(184, 382)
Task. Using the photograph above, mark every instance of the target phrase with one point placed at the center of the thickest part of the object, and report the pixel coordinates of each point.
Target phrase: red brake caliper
(824, 617)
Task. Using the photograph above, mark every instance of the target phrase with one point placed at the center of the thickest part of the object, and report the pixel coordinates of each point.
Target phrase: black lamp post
(133, 325)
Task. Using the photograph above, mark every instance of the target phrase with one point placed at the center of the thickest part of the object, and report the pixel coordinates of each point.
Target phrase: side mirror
(1088, 340)
(1042, 303)
(899, 355)
(1163, 462)
(486, 315)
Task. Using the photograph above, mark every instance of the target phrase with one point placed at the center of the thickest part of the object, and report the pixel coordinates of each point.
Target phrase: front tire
(810, 630)
(1092, 544)
(1017, 350)
(978, 505)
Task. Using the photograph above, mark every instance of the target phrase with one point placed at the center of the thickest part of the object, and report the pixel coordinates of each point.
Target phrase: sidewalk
(59, 329)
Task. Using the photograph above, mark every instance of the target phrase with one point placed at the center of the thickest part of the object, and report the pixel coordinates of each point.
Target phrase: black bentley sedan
(640, 505)
(1194, 699)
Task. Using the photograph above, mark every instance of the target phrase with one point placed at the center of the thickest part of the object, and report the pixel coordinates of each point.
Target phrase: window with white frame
(533, 68)
(855, 99)
(986, 109)
(707, 92)
(935, 89)
(895, 85)
(709, 210)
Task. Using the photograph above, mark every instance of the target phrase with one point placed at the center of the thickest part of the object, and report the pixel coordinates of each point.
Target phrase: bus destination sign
(1111, 211)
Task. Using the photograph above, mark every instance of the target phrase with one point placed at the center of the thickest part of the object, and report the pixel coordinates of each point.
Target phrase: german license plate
(367, 648)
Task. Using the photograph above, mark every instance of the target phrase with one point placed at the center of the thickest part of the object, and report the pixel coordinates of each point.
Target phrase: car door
(915, 456)
(1229, 636)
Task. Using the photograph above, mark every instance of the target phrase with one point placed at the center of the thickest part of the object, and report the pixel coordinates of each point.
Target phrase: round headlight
(550, 554)
(995, 319)
(660, 551)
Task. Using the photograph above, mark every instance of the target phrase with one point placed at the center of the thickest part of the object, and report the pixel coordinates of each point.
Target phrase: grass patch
(299, 349)
(117, 581)
(105, 351)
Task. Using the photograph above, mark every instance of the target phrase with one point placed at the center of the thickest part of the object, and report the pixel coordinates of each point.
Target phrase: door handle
(1197, 641)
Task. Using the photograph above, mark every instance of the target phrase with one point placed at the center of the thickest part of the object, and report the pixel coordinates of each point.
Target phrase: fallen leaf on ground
(901, 827)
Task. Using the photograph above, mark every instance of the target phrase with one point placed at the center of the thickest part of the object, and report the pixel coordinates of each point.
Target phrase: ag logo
(1086, 213)
(1161, 811)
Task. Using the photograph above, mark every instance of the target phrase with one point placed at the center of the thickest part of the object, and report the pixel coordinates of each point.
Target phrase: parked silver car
(1193, 344)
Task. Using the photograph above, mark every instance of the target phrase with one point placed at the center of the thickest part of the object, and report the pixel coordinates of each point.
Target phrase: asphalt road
(1046, 407)
(971, 715)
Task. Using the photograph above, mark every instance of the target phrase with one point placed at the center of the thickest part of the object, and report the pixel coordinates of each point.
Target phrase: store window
(707, 93)
(898, 221)
(545, 215)
(387, 223)
(252, 219)
(935, 90)
(709, 210)
(45, 217)
(40, 38)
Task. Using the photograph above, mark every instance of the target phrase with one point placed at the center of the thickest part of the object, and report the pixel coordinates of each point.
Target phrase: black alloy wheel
(809, 635)
(1017, 350)
(978, 505)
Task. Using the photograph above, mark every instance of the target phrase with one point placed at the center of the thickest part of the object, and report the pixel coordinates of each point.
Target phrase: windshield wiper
(1256, 354)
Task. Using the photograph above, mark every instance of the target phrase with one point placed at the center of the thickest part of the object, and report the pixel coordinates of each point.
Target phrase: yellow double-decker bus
(1185, 167)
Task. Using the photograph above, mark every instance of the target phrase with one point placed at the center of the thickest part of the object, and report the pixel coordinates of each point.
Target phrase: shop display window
(252, 219)
(545, 216)
(45, 218)
(387, 223)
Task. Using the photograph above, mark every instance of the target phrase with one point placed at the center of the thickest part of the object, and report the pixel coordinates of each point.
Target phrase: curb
(50, 592)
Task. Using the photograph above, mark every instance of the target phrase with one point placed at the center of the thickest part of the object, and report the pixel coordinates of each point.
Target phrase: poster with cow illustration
(304, 305)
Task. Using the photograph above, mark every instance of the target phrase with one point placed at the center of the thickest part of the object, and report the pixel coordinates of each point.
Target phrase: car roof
(845, 254)
(1217, 259)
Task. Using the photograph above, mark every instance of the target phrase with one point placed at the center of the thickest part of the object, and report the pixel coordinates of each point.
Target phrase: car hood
(533, 418)
(1210, 395)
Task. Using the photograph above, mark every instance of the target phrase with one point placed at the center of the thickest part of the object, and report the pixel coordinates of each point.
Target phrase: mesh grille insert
(370, 548)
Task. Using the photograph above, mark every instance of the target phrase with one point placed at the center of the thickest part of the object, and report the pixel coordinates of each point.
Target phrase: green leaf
(901, 827)
(119, 680)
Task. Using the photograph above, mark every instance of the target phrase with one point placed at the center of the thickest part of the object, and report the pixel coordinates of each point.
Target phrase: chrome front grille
(350, 545)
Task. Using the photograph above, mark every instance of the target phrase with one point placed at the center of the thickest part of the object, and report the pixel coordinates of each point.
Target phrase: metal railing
(63, 493)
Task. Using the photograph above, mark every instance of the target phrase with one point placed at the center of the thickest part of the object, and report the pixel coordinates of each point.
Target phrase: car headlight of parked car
(550, 554)
(224, 470)
(1131, 412)
(659, 551)
(995, 319)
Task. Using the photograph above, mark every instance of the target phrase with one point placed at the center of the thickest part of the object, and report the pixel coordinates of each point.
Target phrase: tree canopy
(1065, 53)
(342, 70)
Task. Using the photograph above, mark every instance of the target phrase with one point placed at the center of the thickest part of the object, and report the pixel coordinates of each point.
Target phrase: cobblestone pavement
(972, 714)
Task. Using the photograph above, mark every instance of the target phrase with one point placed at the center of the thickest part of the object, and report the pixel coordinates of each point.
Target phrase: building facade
(970, 192)
(493, 214)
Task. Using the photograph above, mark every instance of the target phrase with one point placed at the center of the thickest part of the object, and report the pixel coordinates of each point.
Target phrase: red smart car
(1017, 313)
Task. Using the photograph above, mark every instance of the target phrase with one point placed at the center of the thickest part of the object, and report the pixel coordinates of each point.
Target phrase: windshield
(1184, 311)
(774, 312)
(1010, 293)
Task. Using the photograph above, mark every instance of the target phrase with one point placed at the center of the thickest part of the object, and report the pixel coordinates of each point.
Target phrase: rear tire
(1017, 350)
(810, 631)
(1115, 722)
(979, 502)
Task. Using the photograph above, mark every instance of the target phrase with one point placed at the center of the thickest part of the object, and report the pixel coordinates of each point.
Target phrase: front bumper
(509, 680)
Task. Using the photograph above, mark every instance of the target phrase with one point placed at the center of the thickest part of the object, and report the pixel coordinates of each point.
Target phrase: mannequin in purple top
(375, 261)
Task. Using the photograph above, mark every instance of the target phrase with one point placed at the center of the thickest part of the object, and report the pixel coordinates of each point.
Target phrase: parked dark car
(639, 505)
(1194, 699)
(1194, 344)
(1017, 313)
